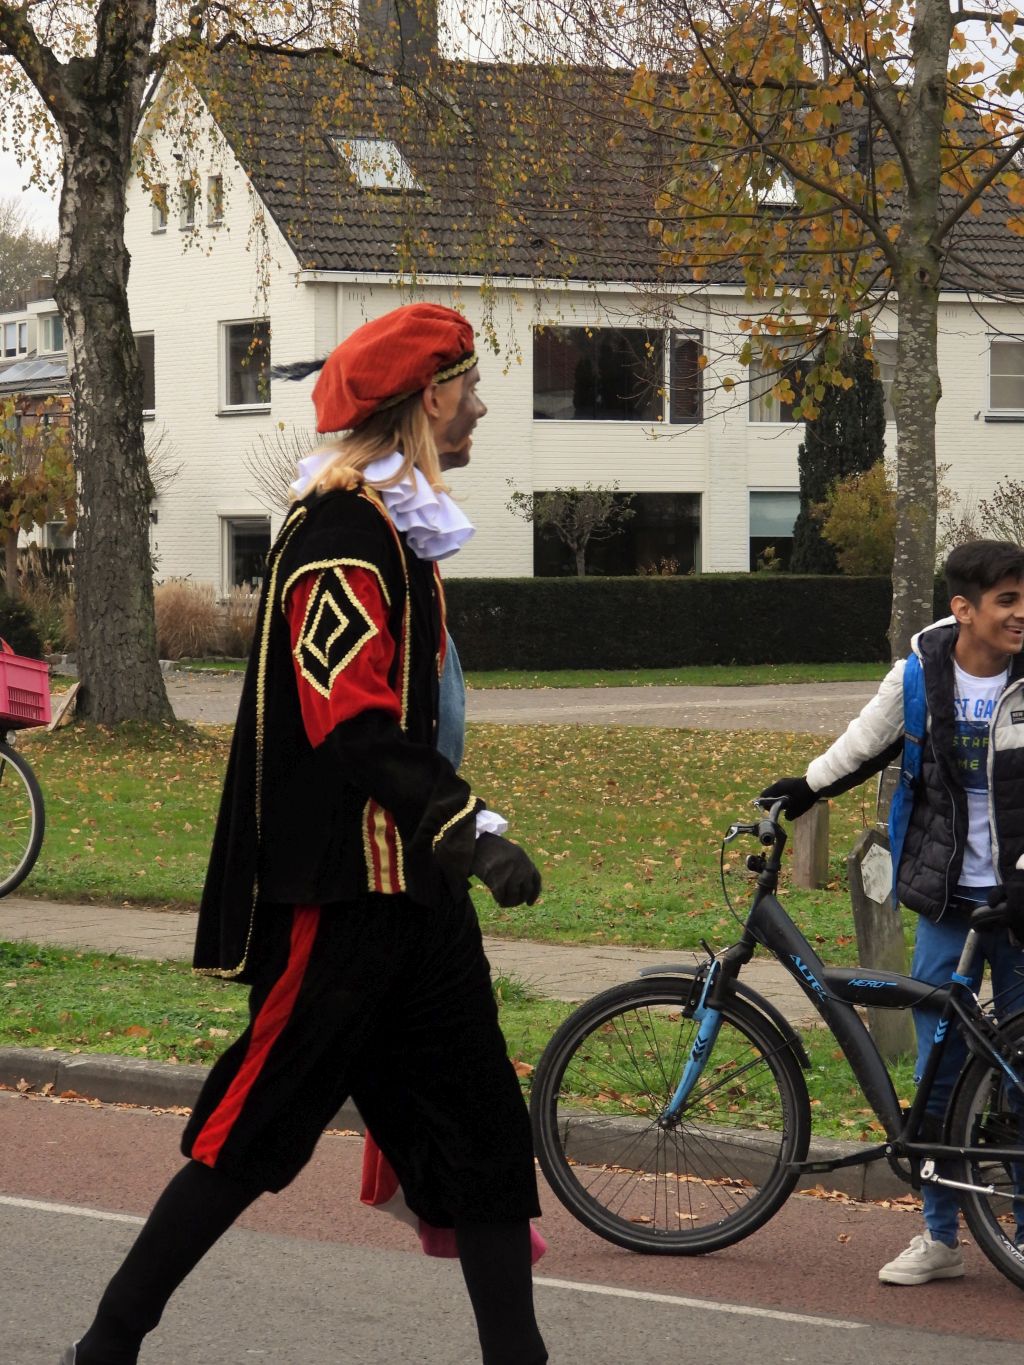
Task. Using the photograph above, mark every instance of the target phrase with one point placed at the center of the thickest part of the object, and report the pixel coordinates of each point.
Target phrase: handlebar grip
(766, 831)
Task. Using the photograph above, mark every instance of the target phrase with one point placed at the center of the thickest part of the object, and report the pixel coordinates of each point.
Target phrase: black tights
(198, 1207)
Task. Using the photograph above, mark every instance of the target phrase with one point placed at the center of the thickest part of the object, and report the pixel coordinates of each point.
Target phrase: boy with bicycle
(966, 828)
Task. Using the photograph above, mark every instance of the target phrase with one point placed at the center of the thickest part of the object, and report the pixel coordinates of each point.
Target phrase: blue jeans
(937, 949)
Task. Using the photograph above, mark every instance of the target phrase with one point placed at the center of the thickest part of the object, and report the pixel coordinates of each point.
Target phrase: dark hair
(973, 568)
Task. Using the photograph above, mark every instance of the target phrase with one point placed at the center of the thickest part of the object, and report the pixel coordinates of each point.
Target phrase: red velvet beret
(384, 361)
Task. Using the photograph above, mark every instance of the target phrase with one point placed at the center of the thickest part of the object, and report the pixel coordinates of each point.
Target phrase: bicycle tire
(711, 1180)
(985, 1107)
(22, 819)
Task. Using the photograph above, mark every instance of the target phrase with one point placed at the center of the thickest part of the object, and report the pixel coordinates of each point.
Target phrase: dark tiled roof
(518, 178)
(519, 175)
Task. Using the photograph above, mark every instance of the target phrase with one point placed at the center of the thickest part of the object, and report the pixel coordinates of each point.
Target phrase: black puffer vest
(933, 852)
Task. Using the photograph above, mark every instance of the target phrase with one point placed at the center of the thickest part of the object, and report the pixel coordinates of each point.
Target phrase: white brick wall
(182, 295)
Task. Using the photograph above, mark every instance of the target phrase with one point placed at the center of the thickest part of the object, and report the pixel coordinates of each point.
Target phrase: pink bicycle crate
(24, 690)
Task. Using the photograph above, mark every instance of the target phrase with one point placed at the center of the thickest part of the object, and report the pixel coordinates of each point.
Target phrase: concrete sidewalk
(556, 971)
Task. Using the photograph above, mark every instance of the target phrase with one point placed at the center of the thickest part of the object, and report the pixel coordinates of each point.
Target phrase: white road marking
(706, 1304)
(41, 1206)
(612, 1291)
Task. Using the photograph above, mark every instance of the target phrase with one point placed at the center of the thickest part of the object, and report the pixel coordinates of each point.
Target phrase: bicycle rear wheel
(22, 819)
(987, 1109)
(698, 1183)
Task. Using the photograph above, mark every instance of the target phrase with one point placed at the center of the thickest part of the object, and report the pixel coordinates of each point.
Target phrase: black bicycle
(670, 1113)
(22, 817)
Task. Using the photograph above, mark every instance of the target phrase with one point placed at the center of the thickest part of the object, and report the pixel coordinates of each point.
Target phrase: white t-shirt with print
(974, 703)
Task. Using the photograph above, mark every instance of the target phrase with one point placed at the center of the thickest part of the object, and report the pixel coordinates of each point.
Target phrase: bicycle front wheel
(987, 1110)
(683, 1186)
(21, 819)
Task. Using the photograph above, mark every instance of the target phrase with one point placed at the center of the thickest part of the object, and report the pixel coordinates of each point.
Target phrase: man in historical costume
(338, 881)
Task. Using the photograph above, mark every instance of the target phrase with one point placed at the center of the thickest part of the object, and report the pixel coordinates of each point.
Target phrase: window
(51, 332)
(1006, 375)
(246, 546)
(214, 200)
(247, 364)
(885, 358)
(145, 345)
(159, 208)
(763, 405)
(187, 219)
(779, 194)
(686, 379)
(661, 538)
(22, 338)
(14, 337)
(377, 164)
(58, 535)
(615, 374)
(772, 518)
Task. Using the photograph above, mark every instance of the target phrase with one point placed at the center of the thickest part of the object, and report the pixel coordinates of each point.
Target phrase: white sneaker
(924, 1260)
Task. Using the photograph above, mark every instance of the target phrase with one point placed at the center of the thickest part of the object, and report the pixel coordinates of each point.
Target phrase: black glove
(1011, 894)
(505, 870)
(798, 795)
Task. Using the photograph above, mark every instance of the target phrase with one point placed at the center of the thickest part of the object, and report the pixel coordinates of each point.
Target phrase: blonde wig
(405, 428)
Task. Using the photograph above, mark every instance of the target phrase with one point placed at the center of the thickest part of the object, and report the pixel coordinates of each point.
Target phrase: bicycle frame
(834, 992)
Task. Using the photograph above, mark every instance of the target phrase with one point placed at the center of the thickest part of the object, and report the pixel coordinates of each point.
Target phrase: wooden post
(809, 864)
(879, 935)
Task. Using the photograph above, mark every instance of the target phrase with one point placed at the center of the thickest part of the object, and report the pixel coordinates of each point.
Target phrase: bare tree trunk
(581, 561)
(117, 653)
(916, 389)
(13, 583)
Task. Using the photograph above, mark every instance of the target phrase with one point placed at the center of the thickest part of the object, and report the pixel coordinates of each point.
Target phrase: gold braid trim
(314, 565)
(373, 497)
(467, 809)
(287, 531)
(442, 377)
(460, 367)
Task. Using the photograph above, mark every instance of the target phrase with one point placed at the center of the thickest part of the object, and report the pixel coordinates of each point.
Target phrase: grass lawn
(625, 823)
(713, 675)
(91, 1002)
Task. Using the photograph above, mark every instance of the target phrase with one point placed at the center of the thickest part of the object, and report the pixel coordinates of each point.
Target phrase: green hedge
(540, 623)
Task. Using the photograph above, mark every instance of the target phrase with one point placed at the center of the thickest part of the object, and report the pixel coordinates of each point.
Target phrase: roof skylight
(377, 164)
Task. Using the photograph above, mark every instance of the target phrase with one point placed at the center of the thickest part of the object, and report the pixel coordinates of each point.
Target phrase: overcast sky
(41, 208)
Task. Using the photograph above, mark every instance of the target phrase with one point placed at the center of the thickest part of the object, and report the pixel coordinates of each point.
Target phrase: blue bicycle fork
(710, 1021)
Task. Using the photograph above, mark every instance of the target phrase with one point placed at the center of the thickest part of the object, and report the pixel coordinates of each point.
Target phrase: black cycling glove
(505, 870)
(799, 797)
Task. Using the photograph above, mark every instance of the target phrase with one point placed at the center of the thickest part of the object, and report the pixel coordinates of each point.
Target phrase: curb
(119, 1080)
(163, 1085)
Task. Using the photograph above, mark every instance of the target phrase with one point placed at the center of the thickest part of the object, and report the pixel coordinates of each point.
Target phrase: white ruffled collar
(433, 524)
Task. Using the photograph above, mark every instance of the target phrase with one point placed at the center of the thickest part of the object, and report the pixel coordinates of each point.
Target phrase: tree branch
(18, 41)
(979, 187)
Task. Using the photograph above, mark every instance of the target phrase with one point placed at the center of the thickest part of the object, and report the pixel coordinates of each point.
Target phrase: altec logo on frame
(808, 975)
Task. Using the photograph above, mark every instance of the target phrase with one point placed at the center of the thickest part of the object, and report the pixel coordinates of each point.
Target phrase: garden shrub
(239, 623)
(187, 619)
(18, 627)
(52, 603)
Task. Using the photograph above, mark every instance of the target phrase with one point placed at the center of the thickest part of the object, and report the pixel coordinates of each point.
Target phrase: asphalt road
(807, 708)
(311, 1276)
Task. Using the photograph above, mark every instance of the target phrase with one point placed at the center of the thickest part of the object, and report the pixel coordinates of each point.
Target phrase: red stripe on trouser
(266, 1029)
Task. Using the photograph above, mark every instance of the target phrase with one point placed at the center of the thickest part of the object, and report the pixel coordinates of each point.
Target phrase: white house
(274, 234)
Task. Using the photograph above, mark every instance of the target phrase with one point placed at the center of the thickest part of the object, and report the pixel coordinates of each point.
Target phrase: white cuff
(490, 822)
